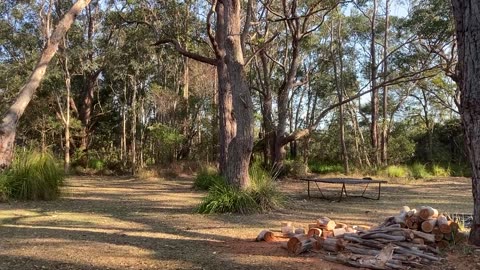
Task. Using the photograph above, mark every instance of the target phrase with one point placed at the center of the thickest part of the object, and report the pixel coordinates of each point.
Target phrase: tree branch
(186, 53)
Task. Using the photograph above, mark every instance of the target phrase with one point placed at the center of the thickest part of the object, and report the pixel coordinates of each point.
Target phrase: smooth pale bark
(373, 81)
(384, 142)
(10, 120)
(467, 23)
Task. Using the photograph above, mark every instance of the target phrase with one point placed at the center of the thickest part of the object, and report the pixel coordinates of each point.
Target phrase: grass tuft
(319, 168)
(261, 196)
(395, 171)
(438, 170)
(419, 170)
(206, 178)
(33, 176)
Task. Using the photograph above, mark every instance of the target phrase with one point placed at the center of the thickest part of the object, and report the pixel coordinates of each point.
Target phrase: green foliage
(438, 170)
(298, 168)
(206, 178)
(96, 164)
(264, 190)
(460, 170)
(419, 170)
(33, 176)
(223, 198)
(262, 195)
(320, 168)
(3, 188)
(395, 171)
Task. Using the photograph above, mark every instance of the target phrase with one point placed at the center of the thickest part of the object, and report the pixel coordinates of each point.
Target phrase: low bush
(3, 189)
(419, 170)
(438, 170)
(262, 195)
(206, 178)
(298, 168)
(320, 168)
(395, 171)
(33, 176)
(460, 170)
(96, 164)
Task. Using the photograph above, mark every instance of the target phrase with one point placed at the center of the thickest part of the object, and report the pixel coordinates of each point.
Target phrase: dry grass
(128, 223)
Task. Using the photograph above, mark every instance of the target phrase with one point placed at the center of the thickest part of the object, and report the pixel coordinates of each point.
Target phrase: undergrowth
(32, 176)
(206, 178)
(262, 195)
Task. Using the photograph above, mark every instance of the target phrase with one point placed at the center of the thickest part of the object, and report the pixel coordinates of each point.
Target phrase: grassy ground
(128, 223)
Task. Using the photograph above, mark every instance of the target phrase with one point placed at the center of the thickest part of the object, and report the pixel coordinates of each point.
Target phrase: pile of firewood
(410, 239)
(428, 220)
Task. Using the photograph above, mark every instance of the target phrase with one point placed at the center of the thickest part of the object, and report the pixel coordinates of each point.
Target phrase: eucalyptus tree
(467, 25)
(10, 119)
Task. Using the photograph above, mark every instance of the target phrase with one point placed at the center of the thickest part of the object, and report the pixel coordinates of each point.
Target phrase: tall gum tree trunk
(467, 22)
(9, 123)
(373, 79)
(241, 146)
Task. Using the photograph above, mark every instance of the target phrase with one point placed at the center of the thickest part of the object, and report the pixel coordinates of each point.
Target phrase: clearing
(130, 223)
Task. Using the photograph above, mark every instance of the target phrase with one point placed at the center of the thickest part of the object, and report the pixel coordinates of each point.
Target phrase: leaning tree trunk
(9, 122)
(467, 22)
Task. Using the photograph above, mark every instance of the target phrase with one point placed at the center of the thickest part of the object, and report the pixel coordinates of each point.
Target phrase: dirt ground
(130, 223)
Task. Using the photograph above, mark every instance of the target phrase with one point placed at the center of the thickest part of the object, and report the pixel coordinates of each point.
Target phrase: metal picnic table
(344, 182)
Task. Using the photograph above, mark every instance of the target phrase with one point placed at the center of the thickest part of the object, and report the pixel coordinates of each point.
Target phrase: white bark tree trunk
(9, 123)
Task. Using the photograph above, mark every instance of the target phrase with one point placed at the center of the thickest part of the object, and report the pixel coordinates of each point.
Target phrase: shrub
(33, 176)
(419, 171)
(319, 168)
(395, 171)
(3, 188)
(223, 198)
(438, 170)
(298, 168)
(462, 170)
(262, 195)
(264, 190)
(207, 178)
(96, 164)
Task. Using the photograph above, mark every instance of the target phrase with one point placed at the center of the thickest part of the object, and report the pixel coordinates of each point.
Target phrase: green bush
(438, 170)
(460, 170)
(419, 170)
(261, 196)
(207, 178)
(298, 168)
(264, 190)
(33, 176)
(395, 171)
(3, 188)
(319, 168)
(96, 164)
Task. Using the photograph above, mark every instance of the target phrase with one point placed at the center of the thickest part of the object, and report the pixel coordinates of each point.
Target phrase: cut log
(429, 224)
(326, 234)
(419, 241)
(288, 230)
(443, 244)
(429, 238)
(331, 244)
(401, 219)
(427, 212)
(299, 231)
(412, 212)
(412, 222)
(444, 224)
(286, 223)
(284, 245)
(438, 234)
(448, 236)
(341, 225)
(266, 235)
(326, 223)
(303, 246)
(405, 209)
(317, 244)
(292, 242)
(314, 232)
(312, 226)
(350, 230)
(339, 232)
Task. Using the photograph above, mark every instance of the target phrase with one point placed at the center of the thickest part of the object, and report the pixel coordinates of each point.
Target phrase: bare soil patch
(130, 223)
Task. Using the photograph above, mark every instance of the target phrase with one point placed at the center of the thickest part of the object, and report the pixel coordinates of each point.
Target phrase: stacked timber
(428, 220)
